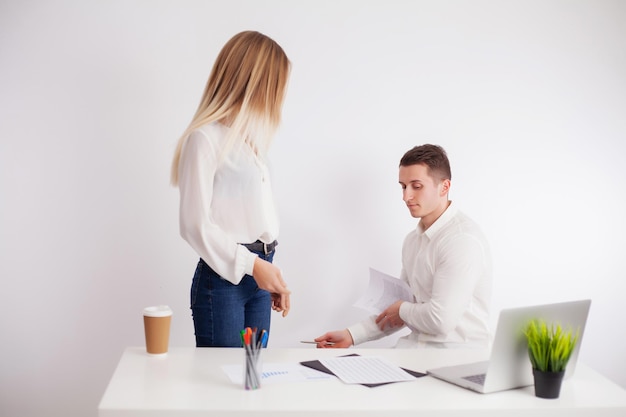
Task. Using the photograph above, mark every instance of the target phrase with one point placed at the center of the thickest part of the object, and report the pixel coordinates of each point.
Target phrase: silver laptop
(509, 365)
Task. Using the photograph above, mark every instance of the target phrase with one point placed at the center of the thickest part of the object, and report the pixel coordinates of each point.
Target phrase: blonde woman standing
(227, 211)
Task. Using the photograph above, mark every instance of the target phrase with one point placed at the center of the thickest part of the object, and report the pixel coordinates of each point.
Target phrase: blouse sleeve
(197, 168)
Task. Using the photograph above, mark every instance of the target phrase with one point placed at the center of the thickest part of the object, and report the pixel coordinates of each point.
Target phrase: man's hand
(336, 339)
(268, 277)
(390, 318)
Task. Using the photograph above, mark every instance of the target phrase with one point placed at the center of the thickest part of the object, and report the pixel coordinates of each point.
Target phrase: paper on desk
(277, 372)
(365, 370)
(383, 290)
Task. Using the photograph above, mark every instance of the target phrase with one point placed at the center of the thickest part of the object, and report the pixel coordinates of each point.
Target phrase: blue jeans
(221, 309)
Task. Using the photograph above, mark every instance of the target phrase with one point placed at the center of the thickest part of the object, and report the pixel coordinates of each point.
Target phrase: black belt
(261, 247)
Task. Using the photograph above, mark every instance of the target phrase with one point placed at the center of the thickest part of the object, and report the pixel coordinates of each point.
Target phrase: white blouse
(448, 268)
(224, 201)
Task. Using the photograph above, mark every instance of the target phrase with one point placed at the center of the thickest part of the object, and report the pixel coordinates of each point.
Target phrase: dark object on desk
(317, 365)
(548, 384)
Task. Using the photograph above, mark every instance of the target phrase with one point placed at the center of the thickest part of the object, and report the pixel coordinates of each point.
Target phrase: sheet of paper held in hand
(383, 290)
(365, 370)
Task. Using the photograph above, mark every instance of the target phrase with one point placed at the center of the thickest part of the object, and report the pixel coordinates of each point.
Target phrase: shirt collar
(444, 219)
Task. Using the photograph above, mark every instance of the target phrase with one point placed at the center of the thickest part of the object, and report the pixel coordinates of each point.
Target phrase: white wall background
(528, 97)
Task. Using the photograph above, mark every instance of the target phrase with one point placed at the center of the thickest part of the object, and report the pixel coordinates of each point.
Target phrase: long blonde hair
(245, 90)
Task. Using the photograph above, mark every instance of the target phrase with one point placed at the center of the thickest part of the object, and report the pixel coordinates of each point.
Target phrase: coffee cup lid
(157, 311)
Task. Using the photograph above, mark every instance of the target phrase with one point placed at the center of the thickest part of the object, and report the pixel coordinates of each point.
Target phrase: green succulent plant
(549, 347)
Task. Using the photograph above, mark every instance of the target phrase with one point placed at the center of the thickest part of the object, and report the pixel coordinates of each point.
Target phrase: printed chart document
(365, 370)
(276, 373)
(383, 290)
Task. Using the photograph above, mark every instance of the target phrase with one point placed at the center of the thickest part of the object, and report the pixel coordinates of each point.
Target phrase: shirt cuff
(364, 331)
(405, 311)
(356, 332)
(244, 264)
(250, 259)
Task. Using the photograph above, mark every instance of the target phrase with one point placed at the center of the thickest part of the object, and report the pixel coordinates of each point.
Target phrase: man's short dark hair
(433, 156)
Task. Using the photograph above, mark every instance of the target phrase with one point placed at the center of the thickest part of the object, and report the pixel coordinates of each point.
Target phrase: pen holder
(252, 376)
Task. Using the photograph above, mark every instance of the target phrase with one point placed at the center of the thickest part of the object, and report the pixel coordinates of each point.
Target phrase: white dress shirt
(448, 268)
(224, 201)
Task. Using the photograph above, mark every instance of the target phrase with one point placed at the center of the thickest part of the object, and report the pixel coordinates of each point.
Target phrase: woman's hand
(335, 339)
(281, 302)
(268, 277)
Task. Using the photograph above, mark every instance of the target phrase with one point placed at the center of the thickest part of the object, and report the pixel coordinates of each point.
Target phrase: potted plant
(549, 348)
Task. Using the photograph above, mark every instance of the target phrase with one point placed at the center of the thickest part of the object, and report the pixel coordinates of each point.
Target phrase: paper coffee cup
(156, 323)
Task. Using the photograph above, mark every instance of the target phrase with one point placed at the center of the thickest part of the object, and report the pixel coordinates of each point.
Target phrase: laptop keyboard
(478, 379)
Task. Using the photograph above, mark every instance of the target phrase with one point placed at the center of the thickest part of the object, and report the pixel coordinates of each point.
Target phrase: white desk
(191, 382)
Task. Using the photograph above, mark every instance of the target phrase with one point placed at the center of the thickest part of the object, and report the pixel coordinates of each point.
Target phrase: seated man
(445, 261)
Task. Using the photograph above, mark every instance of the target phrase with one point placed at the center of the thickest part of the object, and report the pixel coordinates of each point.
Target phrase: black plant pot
(548, 384)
